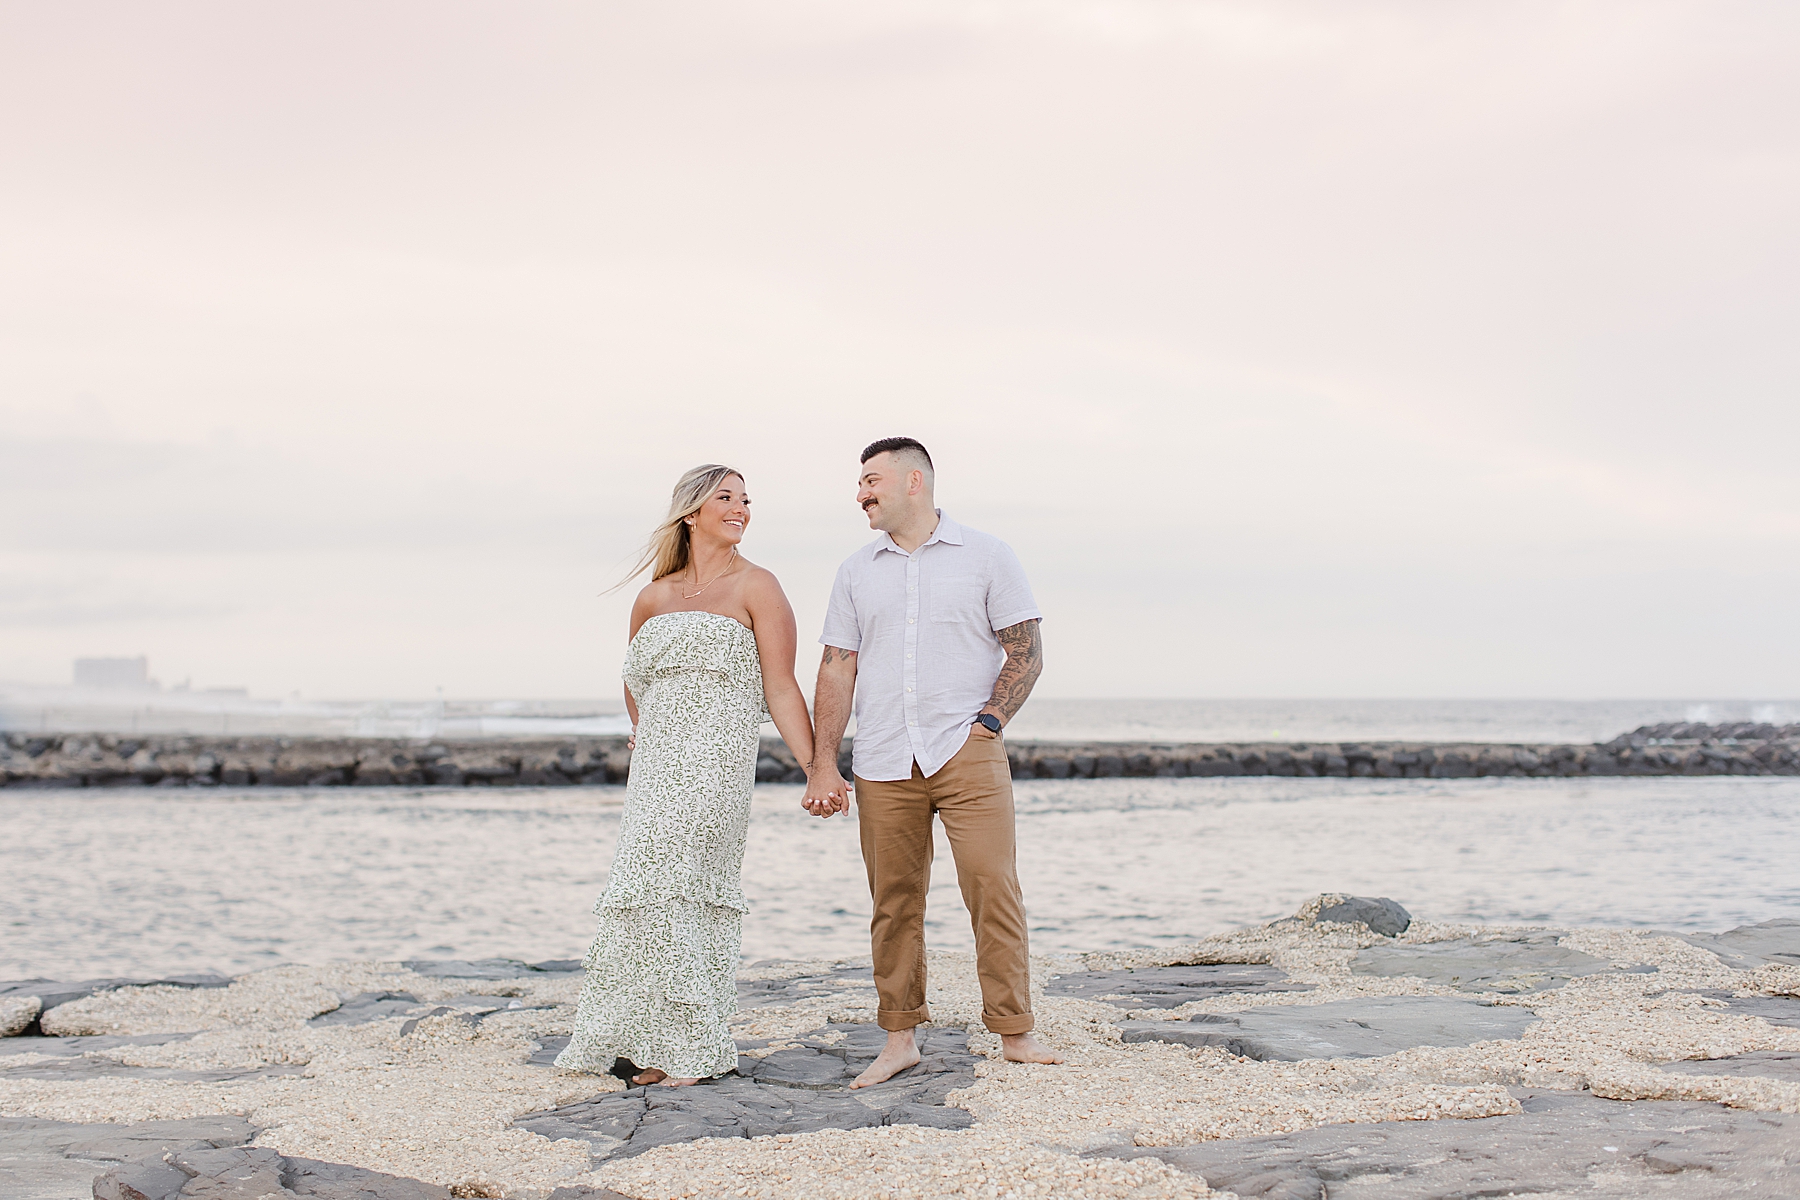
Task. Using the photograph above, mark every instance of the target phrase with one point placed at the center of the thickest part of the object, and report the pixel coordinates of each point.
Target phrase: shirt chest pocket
(959, 602)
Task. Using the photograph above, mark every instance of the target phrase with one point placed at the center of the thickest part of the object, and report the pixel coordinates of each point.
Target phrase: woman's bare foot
(1022, 1047)
(901, 1052)
(644, 1078)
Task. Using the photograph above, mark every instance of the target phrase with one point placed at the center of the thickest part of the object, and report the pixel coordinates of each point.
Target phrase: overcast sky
(1335, 349)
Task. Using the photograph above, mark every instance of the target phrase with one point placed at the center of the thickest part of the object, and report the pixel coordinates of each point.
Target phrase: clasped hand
(827, 792)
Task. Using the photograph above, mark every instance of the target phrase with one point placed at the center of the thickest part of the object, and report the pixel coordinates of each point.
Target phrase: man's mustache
(869, 503)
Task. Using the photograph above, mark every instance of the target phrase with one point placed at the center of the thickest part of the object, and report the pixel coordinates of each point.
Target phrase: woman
(711, 657)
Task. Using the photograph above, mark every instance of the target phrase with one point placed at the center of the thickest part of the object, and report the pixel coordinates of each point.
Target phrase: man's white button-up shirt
(922, 626)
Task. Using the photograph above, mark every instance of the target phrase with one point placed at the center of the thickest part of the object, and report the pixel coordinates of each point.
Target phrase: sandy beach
(1191, 1071)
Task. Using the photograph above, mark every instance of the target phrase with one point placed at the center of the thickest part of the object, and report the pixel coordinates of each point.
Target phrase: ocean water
(1557, 721)
(131, 882)
(46, 709)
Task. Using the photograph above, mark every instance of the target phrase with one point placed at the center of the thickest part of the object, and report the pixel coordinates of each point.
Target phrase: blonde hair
(668, 549)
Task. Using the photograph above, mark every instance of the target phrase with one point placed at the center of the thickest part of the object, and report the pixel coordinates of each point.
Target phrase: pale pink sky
(1300, 349)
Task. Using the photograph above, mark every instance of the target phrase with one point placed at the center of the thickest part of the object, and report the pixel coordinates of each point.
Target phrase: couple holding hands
(933, 630)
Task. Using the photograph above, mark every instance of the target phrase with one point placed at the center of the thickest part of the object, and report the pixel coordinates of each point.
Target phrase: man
(933, 629)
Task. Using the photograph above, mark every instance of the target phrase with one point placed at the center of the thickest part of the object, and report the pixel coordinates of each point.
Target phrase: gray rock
(802, 1068)
(338, 1181)
(1171, 987)
(52, 994)
(256, 1173)
(82, 1058)
(1559, 1146)
(489, 968)
(796, 1090)
(1530, 962)
(76, 1047)
(932, 1116)
(370, 1006)
(141, 1181)
(764, 993)
(18, 1013)
(367, 1007)
(1363, 1028)
(548, 1049)
(55, 1160)
(1380, 914)
(238, 1172)
(702, 1117)
(1750, 946)
(1761, 1064)
(471, 1019)
(100, 1068)
(122, 1143)
(1777, 1010)
(209, 1159)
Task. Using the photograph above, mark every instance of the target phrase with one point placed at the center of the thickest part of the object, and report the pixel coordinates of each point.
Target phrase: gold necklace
(731, 559)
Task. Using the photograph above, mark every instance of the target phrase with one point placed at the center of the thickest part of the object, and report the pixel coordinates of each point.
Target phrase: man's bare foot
(1022, 1047)
(901, 1052)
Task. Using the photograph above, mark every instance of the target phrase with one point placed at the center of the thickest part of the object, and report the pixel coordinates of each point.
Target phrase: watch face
(991, 721)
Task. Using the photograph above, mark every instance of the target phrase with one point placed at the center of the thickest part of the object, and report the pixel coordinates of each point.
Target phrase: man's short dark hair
(888, 445)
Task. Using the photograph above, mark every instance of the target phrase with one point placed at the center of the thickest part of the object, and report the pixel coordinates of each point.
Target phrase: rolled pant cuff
(895, 1019)
(1006, 1026)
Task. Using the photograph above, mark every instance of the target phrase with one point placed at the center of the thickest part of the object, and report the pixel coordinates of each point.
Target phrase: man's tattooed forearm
(842, 654)
(1024, 646)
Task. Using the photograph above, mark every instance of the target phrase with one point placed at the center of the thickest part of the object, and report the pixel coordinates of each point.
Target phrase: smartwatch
(990, 720)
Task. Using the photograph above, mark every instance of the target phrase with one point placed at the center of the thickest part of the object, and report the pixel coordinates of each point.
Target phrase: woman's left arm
(772, 620)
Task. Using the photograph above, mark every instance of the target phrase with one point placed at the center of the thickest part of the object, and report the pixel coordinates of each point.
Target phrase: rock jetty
(109, 760)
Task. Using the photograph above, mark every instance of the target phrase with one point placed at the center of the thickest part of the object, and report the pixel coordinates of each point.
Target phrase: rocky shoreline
(1349, 1050)
(74, 760)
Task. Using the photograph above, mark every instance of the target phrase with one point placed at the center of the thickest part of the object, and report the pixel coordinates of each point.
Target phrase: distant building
(114, 673)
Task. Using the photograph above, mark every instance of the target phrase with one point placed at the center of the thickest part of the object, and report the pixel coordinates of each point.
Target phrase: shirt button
(912, 620)
(909, 689)
(909, 654)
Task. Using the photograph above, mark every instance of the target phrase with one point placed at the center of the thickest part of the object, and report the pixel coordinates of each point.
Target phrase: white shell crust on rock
(437, 1103)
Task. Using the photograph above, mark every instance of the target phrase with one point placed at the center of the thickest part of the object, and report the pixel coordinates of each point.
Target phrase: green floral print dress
(662, 972)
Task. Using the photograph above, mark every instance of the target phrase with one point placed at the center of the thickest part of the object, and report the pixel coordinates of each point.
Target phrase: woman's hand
(827, 791)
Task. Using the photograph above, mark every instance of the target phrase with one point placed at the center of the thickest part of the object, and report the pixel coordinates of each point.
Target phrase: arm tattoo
(1024, 646)
(831, 705)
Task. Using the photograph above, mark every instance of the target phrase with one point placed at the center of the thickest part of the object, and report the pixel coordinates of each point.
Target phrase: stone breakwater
(108, 760)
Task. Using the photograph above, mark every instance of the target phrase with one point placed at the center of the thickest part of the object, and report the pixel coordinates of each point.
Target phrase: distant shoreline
(94, 760)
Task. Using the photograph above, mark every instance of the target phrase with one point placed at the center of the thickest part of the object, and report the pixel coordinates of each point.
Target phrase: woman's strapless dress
(662, 972)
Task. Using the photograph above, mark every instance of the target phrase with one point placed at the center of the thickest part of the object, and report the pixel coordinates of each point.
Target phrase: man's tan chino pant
(973, 794)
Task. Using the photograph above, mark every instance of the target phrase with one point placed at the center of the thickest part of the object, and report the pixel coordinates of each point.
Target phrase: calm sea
(1373, 720)
(125, 882)
(34, 709)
